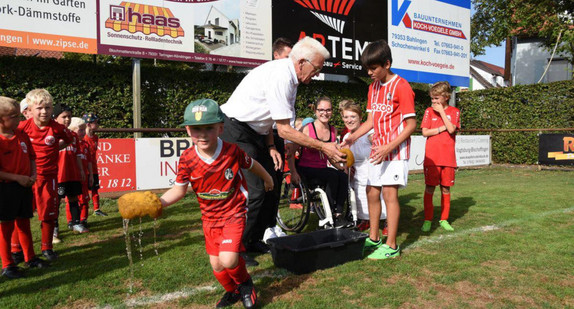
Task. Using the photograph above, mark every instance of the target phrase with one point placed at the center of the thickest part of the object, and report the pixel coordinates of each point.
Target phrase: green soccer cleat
(426, 226)
(371, 245)
(445, 225)
(385, 252)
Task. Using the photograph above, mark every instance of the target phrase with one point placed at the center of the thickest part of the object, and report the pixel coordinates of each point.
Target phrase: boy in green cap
(213, 168)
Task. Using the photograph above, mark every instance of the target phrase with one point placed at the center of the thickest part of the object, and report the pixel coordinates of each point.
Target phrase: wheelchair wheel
(292, 215)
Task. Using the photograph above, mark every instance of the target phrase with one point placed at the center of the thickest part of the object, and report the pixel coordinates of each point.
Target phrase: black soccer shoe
(228, 299)
(17, 257)
(12, 272)
(248, 294)
(50, 255)
(37, 262)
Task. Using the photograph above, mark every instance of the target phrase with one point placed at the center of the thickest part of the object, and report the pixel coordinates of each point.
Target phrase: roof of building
(487, 67)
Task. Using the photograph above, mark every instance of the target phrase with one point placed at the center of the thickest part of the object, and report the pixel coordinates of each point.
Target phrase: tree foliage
(496, 20)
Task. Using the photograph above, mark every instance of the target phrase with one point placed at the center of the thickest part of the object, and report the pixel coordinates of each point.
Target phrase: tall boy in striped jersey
(391, 111)
(213, 168)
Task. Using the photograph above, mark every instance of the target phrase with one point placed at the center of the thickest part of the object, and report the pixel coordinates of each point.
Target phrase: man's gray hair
(308, 48)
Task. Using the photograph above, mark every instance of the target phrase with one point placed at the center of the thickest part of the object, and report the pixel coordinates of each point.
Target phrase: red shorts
(45, 197)
(224, 238)
(439, 175)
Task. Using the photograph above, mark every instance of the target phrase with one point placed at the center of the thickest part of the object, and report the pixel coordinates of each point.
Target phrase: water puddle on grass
(129, 252)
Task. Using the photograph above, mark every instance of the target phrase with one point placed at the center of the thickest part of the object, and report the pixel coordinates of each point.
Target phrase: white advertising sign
(157, 160)
(471, 150)
(60, 25)
(430, 40)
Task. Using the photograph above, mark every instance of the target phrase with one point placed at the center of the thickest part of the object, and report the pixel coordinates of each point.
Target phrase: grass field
(512, 247)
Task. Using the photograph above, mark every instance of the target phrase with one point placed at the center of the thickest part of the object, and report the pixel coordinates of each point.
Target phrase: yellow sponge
(350, 156)
(139, 204)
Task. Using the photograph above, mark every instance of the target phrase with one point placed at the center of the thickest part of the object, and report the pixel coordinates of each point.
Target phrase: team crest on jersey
(24, 147)
(229, 174)
(198, 111)
(215, 195)
(50, 140)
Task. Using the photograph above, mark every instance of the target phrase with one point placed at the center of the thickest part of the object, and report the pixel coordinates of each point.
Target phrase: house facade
(220, 28)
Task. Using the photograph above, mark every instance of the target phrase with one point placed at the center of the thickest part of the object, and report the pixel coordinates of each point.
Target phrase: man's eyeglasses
(328, 110)
(316, 68)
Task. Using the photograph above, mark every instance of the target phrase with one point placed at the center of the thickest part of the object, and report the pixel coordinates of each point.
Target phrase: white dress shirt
(264, 95)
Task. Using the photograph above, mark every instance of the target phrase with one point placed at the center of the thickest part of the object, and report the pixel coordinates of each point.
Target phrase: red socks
(47, 234)
(428, 206)
(6, 228)
(239, 274)
(445, 204)
(225, 280)
(96, 199)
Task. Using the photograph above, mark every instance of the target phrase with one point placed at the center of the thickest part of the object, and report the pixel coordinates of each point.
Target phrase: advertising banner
(182, 30)
(157, 160)
(471, 150)
(116, 164)
(58, 25)
(556, 149)
(430, 40)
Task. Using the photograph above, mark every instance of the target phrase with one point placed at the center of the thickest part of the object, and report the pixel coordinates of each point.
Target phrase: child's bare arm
(448, 126)
(362, 130)
(173, 195)
(23, 180)
(81, 168)
(258, 170)
(383, 150)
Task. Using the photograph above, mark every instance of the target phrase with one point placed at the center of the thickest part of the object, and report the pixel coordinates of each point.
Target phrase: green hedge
(107, 89)
(519, 107)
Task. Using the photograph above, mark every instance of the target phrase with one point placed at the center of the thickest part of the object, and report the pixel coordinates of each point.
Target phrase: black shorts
(96, 184)
(69, 189)
(15, 201)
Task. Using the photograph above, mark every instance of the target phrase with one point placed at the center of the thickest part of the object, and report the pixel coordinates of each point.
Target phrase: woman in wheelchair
(313, 165)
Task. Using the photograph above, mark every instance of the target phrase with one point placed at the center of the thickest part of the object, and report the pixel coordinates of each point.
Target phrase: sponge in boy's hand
(350, 156)
(139, 204)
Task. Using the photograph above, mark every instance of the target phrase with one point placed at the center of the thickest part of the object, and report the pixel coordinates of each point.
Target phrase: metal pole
(136, 81)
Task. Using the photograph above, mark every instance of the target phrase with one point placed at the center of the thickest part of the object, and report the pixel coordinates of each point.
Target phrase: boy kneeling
(213, 168)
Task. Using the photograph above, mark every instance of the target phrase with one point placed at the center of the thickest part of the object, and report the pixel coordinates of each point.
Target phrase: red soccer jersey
(16, 153)
(218, 182)
(45, 144)
(85, 155)
(390, 104)
(93, 144)
(439, 149)
(68, 161)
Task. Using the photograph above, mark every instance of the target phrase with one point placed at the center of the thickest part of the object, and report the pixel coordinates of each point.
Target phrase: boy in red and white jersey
(17, 175)
(92, 123)
(391, 112)
(45, 135)
(78, 127)
(439, 126)
(70, 175)
(213, 168)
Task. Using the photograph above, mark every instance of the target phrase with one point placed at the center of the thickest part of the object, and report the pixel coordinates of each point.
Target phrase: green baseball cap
(201, 112)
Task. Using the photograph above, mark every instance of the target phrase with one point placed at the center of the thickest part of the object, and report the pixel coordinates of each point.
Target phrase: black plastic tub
(304, 253)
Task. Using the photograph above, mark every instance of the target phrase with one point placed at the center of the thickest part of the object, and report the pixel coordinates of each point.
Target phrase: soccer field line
(279, 273)
(485, 228)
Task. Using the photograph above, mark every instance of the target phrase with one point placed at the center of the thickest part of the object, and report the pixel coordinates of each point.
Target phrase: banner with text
(57, 25)
(556, 149)
(471, 150)
(116, 164)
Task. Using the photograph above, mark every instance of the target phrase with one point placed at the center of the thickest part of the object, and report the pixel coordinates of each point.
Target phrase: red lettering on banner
(438, 29)
(569, 144)
(165, 166)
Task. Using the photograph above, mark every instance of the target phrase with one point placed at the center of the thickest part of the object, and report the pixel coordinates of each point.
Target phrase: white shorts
(362, 203)
(389, 173)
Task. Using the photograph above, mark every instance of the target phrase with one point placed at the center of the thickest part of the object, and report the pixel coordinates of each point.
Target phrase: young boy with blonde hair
(45, 135)
(17, 175)
(391, 111)
(439, 126)
(78, 126)
(214, 170)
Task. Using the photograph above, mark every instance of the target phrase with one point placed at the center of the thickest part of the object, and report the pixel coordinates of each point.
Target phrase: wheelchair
(294, 209)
